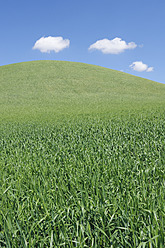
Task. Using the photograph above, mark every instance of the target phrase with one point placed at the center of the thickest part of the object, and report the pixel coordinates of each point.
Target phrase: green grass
(82, 155)
(46, 90)
(84, 183)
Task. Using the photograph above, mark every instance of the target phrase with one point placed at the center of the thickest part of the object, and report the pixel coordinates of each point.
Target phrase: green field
(82, 155)
(47, 89)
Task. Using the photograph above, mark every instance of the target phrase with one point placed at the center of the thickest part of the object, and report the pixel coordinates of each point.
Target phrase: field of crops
(92, 182)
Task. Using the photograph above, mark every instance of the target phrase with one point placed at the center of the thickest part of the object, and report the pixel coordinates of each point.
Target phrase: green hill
(92, 181)
(47, 89)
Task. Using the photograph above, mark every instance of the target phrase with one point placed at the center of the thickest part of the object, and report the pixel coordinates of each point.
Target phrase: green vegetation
(82, 154)
(90, 183)
(47, 89)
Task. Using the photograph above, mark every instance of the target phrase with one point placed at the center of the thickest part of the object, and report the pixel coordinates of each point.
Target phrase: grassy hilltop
(47, 89)
(96, 180)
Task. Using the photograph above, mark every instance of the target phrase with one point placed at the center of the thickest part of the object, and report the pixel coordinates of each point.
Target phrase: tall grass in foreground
(86, 183)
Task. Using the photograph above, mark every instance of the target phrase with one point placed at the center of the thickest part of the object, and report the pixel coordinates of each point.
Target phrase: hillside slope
(47, 89)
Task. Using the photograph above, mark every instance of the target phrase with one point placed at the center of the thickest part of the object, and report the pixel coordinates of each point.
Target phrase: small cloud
(48, 44)
(140, 66)
(141, 45)
(150, 69)
(115, 46)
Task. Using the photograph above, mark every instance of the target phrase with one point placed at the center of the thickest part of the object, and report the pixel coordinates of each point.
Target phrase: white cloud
(140, 66)
(150, 69)
(115, 46)
(48, 44)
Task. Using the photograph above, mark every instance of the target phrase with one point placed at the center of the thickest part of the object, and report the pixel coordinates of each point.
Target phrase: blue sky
(95, 24)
